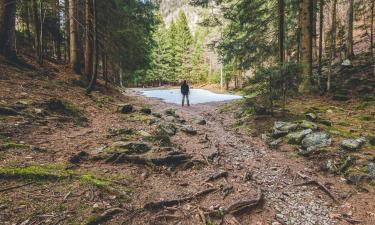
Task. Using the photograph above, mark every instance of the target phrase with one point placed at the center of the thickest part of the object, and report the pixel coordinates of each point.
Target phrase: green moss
(340, 132)
(12, 145)
(366, 118)
(97, 182)
(48, 172)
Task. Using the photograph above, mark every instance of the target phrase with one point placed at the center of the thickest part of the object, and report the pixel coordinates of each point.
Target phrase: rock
(275, 144)
(146, 111)
(278, 133)
(296, 137)
(348, 162)
(346, 62)
(329, 166)
(8, 111)
(168, 128)
(314, 142)
(189, 130)
(112, 132)
(154, 121)
(266, 138)
(352, 144)
(201, 121)
(157, 115)
(38, 111)
(308, 125)
(281, 129)
(372, 141)
(311, 116)
(371, 169)
(131, 147)
(77, 158)
(170, 112)
(171, 119)
(144, 133)
(126, 109)
(325, 122)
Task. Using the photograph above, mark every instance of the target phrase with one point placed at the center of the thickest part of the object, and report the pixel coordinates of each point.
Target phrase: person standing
(185, 90)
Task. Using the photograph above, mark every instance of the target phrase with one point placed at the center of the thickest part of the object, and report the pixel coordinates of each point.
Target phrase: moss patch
(48, 172)
(97, 182)
(12, 145)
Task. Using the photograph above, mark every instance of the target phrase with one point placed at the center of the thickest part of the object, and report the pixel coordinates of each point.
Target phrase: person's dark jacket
(185, 89)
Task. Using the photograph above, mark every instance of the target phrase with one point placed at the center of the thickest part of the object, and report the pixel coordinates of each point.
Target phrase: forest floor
(71, 158)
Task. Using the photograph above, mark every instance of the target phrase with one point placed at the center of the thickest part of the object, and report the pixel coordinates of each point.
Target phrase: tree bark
(349, 44)
(88, 49)
(95, 50)
(321, 31)
(306, 44)
(73, 46)
(332, 54)
(38, 31)
(7, 28)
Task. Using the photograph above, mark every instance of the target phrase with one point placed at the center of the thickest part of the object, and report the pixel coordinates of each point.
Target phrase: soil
(94, 187)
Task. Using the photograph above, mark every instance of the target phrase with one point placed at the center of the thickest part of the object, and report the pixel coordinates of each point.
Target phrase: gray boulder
(352, 144)
(296, 137)
(189, 130)
(168, 128)
(314, 142)
(281, 128)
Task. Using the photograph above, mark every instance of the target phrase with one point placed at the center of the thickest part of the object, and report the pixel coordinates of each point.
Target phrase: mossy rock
(296, 137)
(308, 125)
(130, 147)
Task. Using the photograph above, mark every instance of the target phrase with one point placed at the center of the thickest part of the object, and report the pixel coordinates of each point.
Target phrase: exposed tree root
(104, 217)
(223, 174)
(320, 186)
(237, 207)
(168, 203)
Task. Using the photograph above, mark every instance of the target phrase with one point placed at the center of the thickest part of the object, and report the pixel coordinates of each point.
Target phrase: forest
(280, 129)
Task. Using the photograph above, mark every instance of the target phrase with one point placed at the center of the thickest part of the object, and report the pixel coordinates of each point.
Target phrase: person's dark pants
(187, 99)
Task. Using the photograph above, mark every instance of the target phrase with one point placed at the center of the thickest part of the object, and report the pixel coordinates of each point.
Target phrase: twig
(15, 187)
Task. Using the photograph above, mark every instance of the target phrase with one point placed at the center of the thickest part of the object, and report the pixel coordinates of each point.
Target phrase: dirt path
(251, 167)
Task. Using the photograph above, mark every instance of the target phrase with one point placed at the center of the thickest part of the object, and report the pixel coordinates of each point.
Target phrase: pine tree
(184, 42)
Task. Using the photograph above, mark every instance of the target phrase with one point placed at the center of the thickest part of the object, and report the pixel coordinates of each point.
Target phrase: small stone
(144, 133)
(372, 141)
(346, 62)
(371, 169)
(201, 122)
(275, 144)
(311, 116)
(168, 128)
(146, 111)
(131, 147)
(126, 109)
(189, 130)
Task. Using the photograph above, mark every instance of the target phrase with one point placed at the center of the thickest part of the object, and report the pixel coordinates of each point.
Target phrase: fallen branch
(172, 202)
(320, 186)
(15, 187)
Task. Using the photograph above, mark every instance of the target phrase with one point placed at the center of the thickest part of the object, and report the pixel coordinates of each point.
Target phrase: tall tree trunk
(58, 38)
(332, 54)
(281, 5)
(95, 49)
(88, 50)
(321, 31)
(73, 46)
(306, 44)
(334, 28)
(314, 32)
(349, 44)
(38, 30)
(7, 28)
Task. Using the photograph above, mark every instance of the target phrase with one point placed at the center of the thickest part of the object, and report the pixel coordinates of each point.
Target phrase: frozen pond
(196, 96)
